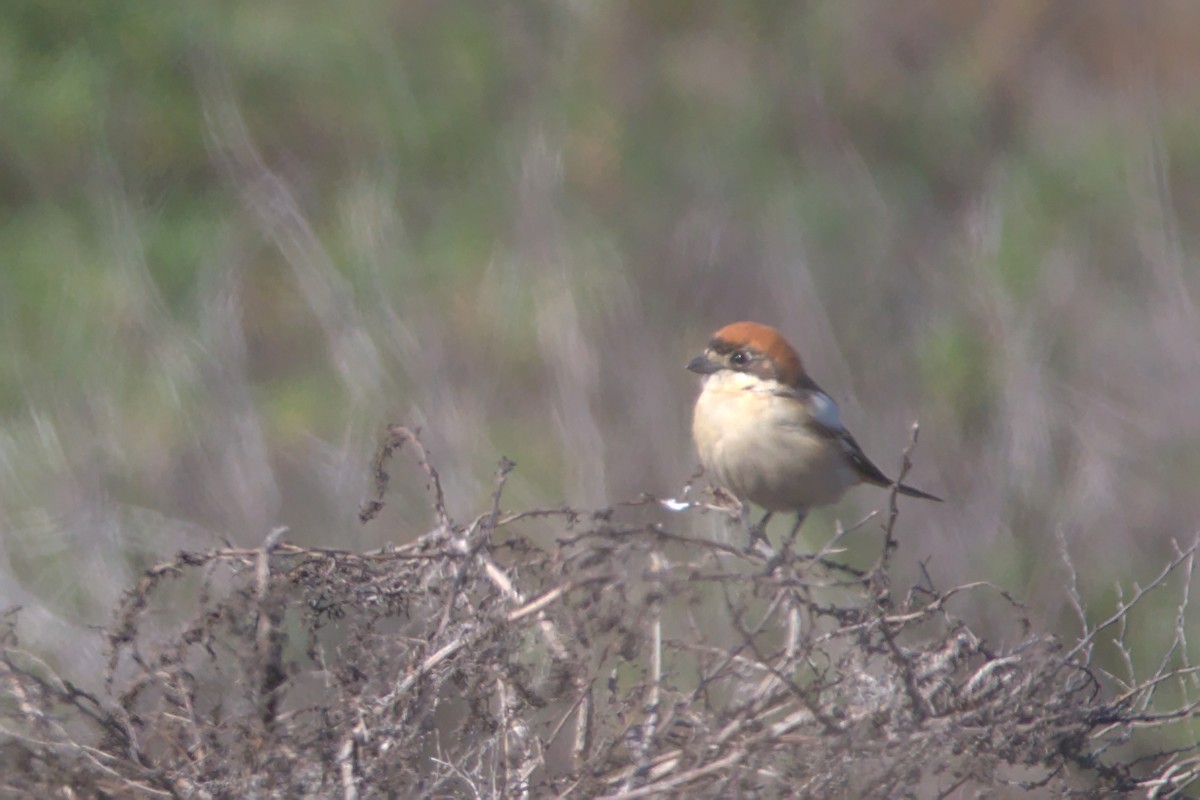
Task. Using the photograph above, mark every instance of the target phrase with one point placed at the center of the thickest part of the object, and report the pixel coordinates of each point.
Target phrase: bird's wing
(825, 421)
(863, 466)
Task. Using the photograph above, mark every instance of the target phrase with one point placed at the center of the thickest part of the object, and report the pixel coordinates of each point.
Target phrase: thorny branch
(574, 654)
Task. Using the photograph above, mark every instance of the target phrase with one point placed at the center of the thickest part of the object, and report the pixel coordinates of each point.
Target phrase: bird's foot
(786, 550)
(759, 542)
(758, 533)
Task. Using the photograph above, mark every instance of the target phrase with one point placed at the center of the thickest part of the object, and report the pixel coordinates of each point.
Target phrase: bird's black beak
(703, 366)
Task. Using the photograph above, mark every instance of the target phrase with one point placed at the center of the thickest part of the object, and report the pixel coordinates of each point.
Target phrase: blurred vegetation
(238, 238)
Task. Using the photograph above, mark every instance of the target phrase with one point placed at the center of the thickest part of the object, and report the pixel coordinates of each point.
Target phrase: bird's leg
(758, 533)
(785, 551)
(801, 515)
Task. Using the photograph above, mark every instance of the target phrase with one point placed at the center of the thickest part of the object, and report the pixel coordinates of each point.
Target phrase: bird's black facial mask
(741, 359)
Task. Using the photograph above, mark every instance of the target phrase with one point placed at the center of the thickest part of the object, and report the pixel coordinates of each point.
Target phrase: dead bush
(621, 660)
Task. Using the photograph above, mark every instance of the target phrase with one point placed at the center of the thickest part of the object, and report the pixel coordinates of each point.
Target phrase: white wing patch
(825, 411)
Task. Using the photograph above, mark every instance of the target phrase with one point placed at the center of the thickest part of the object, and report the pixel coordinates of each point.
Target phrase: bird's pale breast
(755, 444)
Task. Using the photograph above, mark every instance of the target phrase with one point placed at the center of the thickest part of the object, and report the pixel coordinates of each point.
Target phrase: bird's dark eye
(740, 358)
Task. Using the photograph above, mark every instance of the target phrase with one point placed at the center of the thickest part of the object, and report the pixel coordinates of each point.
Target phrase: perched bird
(766, 432)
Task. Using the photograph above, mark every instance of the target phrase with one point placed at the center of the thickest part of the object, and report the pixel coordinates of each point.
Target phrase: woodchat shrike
(766, 432)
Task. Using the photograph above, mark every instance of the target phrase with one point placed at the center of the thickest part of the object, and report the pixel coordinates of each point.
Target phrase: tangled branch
(616, 658)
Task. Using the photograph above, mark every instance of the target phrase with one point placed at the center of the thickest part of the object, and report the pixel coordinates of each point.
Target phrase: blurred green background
(238, 238)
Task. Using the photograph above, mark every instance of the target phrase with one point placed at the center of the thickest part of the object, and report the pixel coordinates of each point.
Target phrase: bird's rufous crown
(765, 340)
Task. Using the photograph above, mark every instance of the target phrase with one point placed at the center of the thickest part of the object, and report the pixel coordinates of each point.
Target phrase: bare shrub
(620, 660)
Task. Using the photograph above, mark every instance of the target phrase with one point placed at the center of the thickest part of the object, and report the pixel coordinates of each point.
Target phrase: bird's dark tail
(911, 492)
